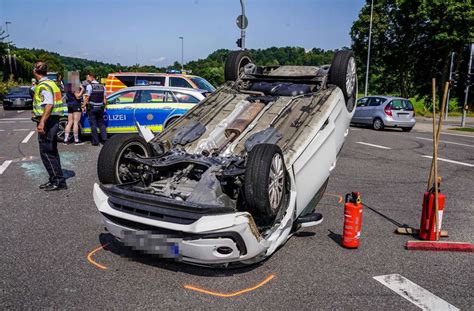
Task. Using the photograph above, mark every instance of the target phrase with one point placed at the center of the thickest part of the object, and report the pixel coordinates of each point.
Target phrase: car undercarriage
(258, 151)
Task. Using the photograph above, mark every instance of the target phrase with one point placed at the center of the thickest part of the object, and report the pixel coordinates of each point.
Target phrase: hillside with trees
(210, 68)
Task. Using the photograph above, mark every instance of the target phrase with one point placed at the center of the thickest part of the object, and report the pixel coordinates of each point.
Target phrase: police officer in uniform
(48, 108)
(95, 99)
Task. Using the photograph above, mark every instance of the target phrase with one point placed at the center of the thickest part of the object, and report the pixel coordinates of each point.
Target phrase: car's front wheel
(265, 183)
(114, 165)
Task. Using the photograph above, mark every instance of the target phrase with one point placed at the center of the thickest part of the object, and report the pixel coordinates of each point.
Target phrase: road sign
(242, 21)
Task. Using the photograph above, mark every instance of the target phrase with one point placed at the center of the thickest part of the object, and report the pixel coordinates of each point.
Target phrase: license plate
(403, 115)
(17, 102)
(152, 243)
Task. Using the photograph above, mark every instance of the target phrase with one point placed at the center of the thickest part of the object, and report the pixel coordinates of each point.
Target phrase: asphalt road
(46, 237)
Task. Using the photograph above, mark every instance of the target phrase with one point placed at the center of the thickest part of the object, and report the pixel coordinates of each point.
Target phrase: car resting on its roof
(237, 175)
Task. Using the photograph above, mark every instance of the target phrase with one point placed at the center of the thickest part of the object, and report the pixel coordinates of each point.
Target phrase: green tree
(411, 42)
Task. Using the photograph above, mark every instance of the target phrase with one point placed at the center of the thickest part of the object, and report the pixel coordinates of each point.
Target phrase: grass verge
(464, 129)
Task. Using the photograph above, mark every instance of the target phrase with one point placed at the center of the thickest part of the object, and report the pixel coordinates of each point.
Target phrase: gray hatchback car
(385, 111)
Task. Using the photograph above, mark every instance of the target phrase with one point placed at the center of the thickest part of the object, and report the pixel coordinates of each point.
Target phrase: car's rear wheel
(113, 166)
(407, 129)
(378, 124)
(62, 129)
(343, 74)
(265, 183)
(235, 63)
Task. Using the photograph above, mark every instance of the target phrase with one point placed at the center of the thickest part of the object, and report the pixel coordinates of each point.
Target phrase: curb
(440, 246)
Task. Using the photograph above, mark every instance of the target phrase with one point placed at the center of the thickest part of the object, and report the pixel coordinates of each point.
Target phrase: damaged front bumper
(200, 235)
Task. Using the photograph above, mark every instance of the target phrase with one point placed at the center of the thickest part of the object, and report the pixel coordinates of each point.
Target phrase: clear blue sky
(147, 31)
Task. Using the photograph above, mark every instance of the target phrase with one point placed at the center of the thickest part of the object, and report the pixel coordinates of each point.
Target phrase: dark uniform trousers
(96, 120)
(48, 146)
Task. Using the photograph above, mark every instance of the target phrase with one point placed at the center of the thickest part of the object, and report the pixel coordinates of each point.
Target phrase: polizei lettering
(115, 117)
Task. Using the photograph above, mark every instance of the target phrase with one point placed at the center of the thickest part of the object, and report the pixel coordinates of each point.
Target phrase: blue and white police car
(154, 107)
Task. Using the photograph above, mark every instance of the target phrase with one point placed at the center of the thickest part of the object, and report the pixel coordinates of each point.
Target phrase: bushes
(5, 86)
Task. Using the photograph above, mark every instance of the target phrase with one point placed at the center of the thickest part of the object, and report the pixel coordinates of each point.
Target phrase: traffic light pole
(242, 31)
(449, 91)
(466, 92)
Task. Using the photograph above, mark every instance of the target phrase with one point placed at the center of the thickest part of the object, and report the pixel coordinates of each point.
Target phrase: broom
(434, 162)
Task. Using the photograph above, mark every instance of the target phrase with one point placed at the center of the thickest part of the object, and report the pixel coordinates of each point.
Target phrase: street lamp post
(449, 90)
(368, 51)
(466, 91)
(6, 27)
(182, 53)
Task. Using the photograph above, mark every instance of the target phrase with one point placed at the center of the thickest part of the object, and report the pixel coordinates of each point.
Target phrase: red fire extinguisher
(352, 220)
(428, 218)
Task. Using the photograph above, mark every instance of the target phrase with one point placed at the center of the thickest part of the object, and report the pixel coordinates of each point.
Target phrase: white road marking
(449, 161)
(4, 166)
(414, 293)
(446, 142)
(19, 111)
(372, 145)
(27, 138)
(15, 119)
(21, 130)
(353, 129)
(2, 130)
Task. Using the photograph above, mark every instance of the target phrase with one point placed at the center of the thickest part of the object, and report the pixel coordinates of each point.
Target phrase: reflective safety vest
(59, 108)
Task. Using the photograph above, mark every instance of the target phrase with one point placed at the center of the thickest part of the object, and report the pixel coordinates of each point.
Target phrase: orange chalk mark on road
(92, 261)
(227, 295)
(336, 195)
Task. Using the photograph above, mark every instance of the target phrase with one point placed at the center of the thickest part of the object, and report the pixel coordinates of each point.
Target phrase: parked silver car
(385, 111)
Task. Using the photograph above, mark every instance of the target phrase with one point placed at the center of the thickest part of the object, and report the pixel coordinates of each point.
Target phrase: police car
(155, 107)
(172, 78)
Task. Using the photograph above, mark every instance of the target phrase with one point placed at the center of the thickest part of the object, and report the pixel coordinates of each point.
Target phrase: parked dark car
(18, 97)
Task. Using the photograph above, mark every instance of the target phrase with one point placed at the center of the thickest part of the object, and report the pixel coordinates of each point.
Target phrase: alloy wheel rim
(243, 62)
(61, 130)
(276, 181)
(350, 76)
(377, 124)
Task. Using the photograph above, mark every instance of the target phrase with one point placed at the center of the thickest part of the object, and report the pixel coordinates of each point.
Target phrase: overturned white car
(241, 172)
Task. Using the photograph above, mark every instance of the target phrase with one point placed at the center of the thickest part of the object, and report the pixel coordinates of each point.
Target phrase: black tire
(234, 64)
(171, 121)
(343, 74)
(62, 131)
(111, 157)
(378, 124)
(257, 187)
(407, 129)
